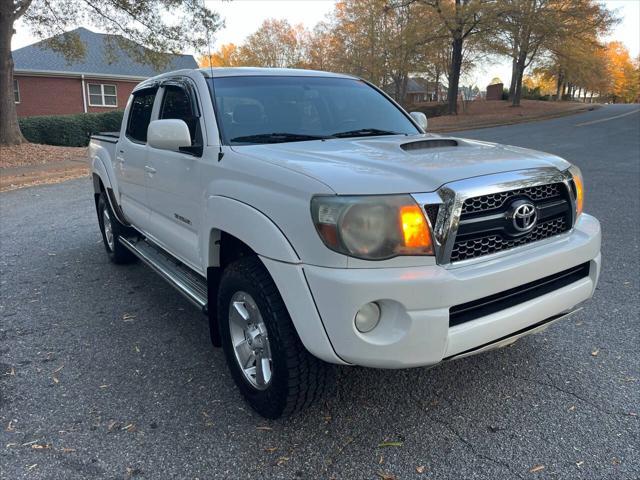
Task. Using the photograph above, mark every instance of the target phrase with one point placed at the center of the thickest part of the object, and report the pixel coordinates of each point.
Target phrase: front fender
(263, 236)
(246, 223)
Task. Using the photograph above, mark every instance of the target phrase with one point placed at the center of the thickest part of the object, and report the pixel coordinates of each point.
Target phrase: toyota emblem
(524, 216)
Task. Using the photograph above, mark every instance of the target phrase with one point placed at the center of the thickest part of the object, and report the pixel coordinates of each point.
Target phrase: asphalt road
(106, 372)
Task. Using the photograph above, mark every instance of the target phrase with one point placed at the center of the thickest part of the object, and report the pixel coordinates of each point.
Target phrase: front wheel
(273, 370)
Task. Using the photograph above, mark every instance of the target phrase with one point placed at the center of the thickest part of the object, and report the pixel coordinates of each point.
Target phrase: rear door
(173, 180)
(131, 158)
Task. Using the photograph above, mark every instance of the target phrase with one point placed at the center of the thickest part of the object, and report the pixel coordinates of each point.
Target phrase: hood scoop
(428, 144)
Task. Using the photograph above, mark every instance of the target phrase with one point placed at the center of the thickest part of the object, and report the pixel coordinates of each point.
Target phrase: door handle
(149, 169)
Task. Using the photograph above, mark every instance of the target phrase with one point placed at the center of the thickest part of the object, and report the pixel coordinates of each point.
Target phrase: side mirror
(169, 134)
(420, 118)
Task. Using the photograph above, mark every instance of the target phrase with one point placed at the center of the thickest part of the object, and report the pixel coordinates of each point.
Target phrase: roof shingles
(98, 60)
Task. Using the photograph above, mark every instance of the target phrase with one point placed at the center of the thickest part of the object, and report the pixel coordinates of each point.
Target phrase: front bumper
(414, 328)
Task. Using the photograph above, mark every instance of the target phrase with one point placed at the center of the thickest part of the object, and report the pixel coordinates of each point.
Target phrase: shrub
(69, 130)
(430, 109)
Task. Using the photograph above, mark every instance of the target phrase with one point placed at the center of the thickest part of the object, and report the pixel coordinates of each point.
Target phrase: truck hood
(398, 164)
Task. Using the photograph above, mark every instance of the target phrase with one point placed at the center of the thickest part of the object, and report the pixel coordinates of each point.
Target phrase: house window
(16, 91)
(102, 95)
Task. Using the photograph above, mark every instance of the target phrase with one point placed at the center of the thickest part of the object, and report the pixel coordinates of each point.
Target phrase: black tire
(117, 252)
(297, 377)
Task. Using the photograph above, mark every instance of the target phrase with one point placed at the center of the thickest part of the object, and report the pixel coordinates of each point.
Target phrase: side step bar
(182, 278)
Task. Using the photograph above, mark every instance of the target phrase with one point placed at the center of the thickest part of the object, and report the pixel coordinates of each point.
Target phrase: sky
(243, 17)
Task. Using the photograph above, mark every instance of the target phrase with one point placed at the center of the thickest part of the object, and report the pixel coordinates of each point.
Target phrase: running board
(182, 278)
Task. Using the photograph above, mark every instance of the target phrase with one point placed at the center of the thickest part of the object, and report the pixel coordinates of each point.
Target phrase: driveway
(106, 372)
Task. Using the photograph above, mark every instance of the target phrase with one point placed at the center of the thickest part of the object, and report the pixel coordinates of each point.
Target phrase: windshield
(275, 109)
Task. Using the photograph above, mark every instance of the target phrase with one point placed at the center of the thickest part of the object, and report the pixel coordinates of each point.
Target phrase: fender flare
(246, 223)
(279, 257)
(101, 174)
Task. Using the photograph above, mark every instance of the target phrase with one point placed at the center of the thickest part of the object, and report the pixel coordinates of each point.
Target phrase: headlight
(372, 227)
(578, 188)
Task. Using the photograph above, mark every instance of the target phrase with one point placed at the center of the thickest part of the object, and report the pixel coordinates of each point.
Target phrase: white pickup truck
(315, 222)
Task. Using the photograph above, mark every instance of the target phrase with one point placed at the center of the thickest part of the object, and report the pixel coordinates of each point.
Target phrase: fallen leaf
(113, 425)
(11, 372)
(390, 444)
(40, 446)
(381, 461)
(270, 449)
(537, 468)
(421, 469)
(572, 408)
(386, 475)
(595, 353)
(137, 349)
(68, 450)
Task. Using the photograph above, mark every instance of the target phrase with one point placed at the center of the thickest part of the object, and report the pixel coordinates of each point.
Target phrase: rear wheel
(111, 230)
(273, 370)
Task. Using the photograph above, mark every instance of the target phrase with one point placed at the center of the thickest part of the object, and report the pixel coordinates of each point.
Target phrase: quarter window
(16, 91)
(102, 95)
(140, 115)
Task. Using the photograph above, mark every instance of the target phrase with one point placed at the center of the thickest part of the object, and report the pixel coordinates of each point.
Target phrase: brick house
(45, 83)
(419, 90)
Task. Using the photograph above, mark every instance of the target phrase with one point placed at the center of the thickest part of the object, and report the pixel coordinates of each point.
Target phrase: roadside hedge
(430, 110)
(69, 130)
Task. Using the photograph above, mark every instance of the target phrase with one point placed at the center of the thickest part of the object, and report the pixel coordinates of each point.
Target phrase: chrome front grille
(477, 217)
(494, 201)
(476, 247)
(486, 226)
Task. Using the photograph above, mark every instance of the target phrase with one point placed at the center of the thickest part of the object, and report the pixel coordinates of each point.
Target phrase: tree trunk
(9, 129)
(514, 75)
(519, 73)
(454, 74)
(559, 87)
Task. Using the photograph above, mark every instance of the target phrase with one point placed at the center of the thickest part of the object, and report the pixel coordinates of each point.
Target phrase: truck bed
(111, 137)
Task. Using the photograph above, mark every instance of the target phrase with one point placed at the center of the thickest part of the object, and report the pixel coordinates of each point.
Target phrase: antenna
(213, 96)
(204, 6)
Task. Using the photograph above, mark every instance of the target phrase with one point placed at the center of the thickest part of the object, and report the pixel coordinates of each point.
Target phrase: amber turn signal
(414, 227)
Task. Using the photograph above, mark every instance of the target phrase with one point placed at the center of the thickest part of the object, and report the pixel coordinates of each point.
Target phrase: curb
(514, 121)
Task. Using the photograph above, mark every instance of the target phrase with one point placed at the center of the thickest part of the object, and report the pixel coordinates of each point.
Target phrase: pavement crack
(575, 395)
(462, 439)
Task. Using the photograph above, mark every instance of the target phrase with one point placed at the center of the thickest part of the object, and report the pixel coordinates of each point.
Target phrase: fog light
(367, 317)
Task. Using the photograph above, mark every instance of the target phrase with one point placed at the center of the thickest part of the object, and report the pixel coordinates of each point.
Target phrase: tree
(527, 28)
(461, 19)
(227, 55)
(276, 44)
(622, 73)
(132, 23)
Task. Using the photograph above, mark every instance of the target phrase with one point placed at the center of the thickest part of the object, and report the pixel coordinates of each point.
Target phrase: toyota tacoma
(316, 222)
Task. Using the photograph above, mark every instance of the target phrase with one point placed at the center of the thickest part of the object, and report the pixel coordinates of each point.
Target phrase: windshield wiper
(365, 132)
(278, 138)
